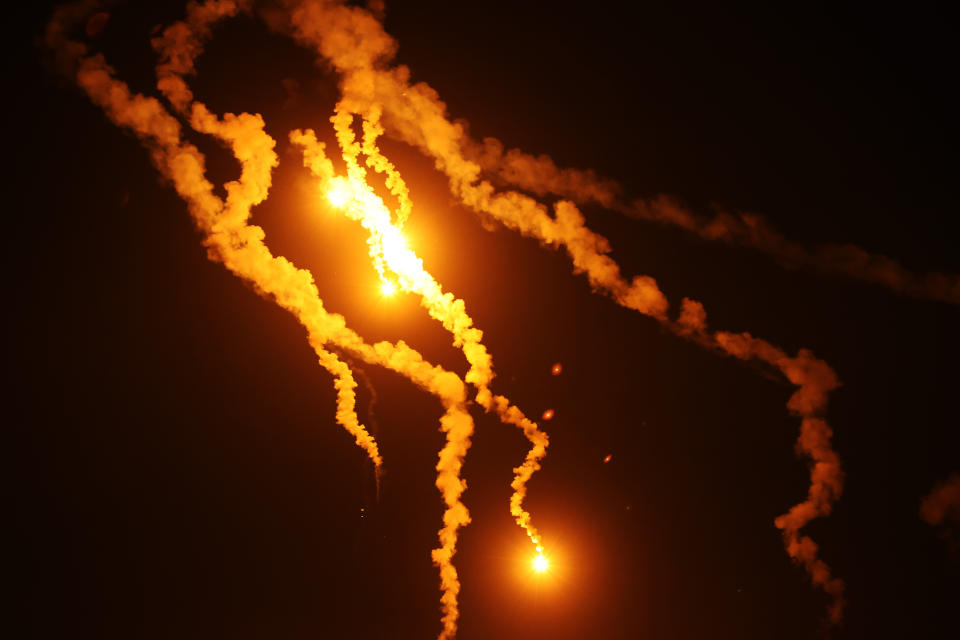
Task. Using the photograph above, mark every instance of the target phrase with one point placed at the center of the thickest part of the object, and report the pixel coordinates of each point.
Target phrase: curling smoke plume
(178, 48)
(390, 253)
(240, 247)
(541, 176)
(941, 509)
(354, 43)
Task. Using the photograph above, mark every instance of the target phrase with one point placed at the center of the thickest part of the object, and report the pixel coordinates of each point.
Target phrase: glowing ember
(608, 458)
(540, 563)
(556, 369)
(548, 414)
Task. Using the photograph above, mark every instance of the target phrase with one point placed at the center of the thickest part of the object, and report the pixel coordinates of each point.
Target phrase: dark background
(174, 467)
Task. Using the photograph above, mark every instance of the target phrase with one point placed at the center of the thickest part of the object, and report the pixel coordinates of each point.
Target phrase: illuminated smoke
(182, 42)
(388, 249)
(541, 176)
(371, 410)
(814, 380)
(240, 247)
(941, 509)
(390, 253)
(372, 129)
(355, 44)
(178, 47)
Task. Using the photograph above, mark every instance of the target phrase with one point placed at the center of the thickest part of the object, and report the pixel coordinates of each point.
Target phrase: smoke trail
(389, 250)
(182, 42)
(178, 47)
(374, 427)
(814, 380)
(353, 41)
(541, 176)
(813, 377)
(357, 47)
(346, 408)
(522, 474)
(941, 509)
(372, 129)
(240, 247)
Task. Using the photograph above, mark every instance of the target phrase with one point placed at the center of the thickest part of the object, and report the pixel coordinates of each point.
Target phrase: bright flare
(388, 288)
(339, 192)
(540, 563)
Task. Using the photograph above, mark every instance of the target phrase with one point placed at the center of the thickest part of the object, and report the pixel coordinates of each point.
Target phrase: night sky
(175, 470)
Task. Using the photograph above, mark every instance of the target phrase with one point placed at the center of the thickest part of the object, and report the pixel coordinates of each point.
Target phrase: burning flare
(414, 114)
(540, 563)
(351, 40)
(390, 254)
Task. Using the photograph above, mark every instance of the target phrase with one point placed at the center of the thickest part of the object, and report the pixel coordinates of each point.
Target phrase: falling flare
(353, 42)
(390, 252)
(540, 563)
(419, 118)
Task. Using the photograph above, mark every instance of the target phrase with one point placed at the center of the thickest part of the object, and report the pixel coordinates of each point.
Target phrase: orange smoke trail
(354, 42)
(541, 176)
(182, 42)
(178, 47)
(371, 407)
(814, 379)
(372, 129)
(240, 247)
(531, 464)
(388, 249)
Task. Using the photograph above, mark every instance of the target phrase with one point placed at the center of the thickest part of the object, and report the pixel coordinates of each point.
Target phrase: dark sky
(175, 469)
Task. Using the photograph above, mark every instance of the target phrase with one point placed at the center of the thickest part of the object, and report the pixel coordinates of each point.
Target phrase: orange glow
(339, 192)
(608, 458)
(352, 42)
(540, 563)
(400, 269)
